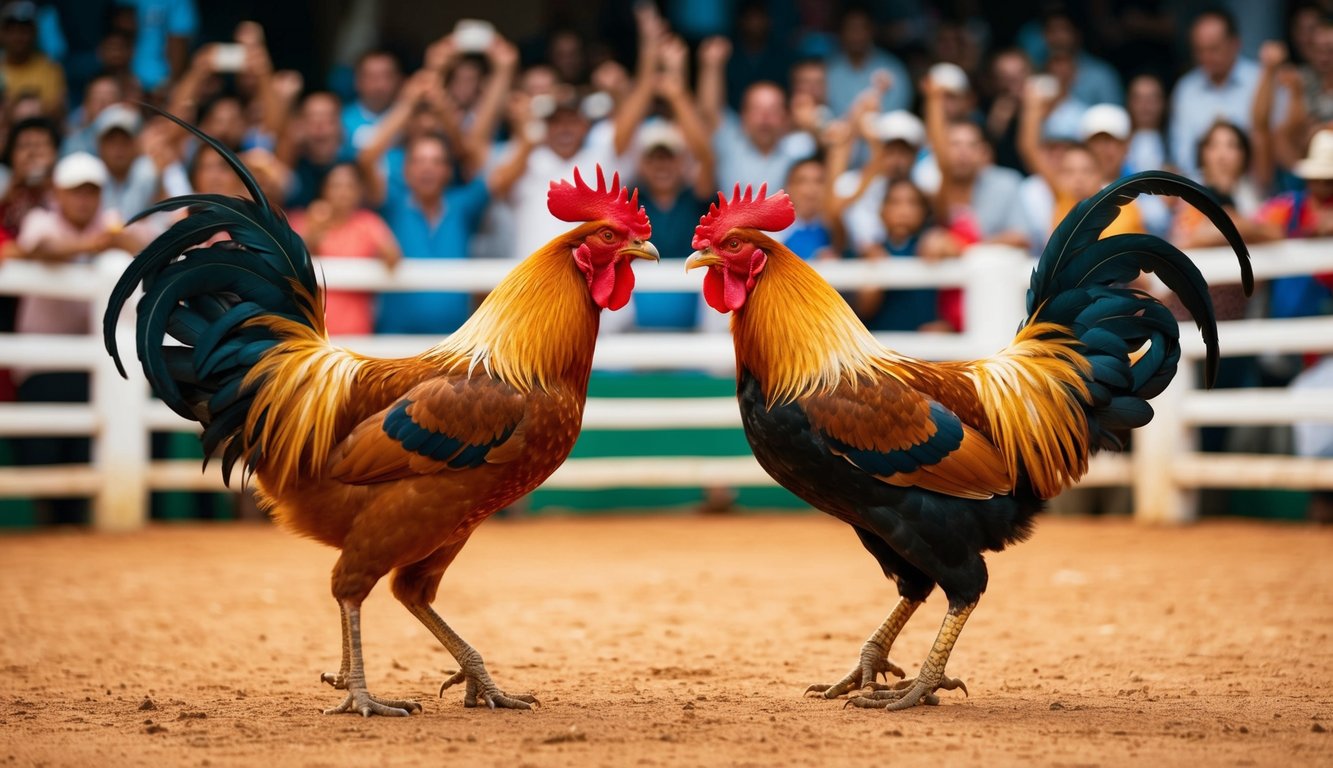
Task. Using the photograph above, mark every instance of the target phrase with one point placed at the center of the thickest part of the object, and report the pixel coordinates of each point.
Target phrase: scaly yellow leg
(921, 689)
(874, 655)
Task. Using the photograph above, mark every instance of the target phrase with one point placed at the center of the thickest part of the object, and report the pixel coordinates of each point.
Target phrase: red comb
(770, 214)
(579, 202)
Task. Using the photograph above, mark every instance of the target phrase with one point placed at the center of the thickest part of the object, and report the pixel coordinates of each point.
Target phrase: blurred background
(907, 132)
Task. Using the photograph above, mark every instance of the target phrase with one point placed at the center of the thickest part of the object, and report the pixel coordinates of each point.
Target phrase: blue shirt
(905, 310)
(358, 125)
(1197, 102)
(673, 229)
(846, 81)
(420, 238)
(159, 20)
(806, 238)
(1096, 82)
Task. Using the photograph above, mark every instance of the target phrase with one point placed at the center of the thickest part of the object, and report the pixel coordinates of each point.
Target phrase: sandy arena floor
(671, 641)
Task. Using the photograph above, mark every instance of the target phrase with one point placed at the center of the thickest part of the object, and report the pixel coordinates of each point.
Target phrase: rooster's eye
(608, 235)
(733, 244)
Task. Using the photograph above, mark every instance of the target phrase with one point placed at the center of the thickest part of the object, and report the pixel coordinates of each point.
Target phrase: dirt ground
(671, 641)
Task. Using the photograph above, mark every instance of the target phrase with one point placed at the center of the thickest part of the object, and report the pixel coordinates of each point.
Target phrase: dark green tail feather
(202, 297)
(1080, 283)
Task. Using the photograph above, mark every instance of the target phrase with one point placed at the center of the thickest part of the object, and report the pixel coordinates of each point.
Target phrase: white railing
(1163, 468)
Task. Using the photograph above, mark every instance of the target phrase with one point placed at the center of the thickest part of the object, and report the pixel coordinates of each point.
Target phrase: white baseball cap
(661, 133)
(77, 169)
(1111, 119)
(117, 116)
(898, 125)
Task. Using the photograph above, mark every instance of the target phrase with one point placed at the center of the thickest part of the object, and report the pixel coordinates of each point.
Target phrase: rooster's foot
(359, 701)
(481, 689)
(874, 664)
(906, 694)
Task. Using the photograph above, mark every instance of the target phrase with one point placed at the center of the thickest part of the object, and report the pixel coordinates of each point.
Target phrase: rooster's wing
(895, 433)
(446, 423)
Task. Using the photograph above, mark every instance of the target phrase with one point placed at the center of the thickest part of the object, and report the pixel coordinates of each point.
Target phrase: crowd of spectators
(896, 136)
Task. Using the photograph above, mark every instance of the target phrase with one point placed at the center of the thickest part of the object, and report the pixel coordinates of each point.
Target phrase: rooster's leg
(339, 681)
(921, 689)
(480, 687)
(874, 655)
(358, 698)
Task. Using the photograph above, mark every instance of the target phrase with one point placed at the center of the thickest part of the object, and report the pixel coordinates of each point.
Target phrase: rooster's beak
(641, 249)
(704, 258)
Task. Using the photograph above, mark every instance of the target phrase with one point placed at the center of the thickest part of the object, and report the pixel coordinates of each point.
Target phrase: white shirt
(534, 224)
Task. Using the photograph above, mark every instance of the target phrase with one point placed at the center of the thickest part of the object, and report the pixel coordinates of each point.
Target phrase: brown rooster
(394, 462)
(935, 463)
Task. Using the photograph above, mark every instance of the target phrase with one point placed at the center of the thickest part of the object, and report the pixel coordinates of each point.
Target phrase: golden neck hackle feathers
(537, 328)
(796, 334)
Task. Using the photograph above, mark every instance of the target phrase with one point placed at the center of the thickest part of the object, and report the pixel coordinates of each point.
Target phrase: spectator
(552, 144)
(115, 54)
(30, 156)
(973, 192)
(906, 223)
(73, 230)
(80, 136)
(760, 146)
(378, 78)
(565, 54)
(809, 79)
(131, 178)
(26, 70)
(1066, 110)
(852, 66)
(1146, 105)
(809, 235)
(672, 197)
(433, 220)
(1280, 143)
(1081, 169)
(1009, 72)
(1317, 74)
(338, 225)
(425, 106)
(857, 201)
(674, 206)
(1222, 84)
(1094, 81)
(1106, 130)
(759, 56)
(163, 31)
(1225, 160)
(1308, 213)
(312, 145)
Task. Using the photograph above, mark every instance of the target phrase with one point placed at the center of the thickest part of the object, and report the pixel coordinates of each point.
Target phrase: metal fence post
(120, 444)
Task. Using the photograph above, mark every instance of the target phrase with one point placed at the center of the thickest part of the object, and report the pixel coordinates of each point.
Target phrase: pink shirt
(43, 314)
(362, 236)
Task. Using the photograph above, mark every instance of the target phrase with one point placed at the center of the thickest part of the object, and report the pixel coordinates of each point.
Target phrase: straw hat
(1318, 163)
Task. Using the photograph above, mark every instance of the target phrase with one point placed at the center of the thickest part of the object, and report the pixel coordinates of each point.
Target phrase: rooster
(934, 464)
(394, 462)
